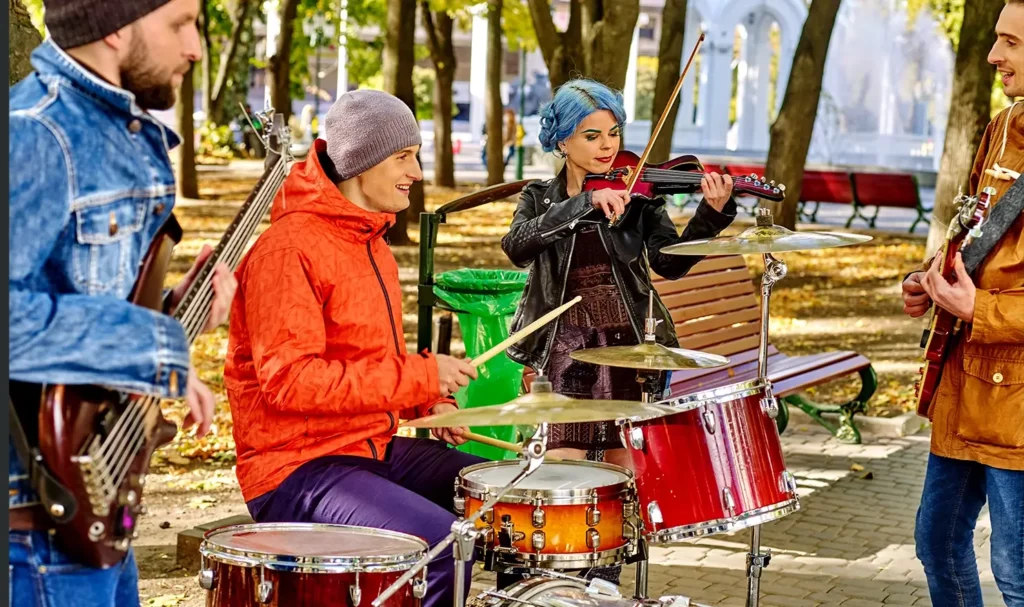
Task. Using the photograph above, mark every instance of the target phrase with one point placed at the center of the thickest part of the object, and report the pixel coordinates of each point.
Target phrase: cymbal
(765, 239)
(539, 407)
(649, 356)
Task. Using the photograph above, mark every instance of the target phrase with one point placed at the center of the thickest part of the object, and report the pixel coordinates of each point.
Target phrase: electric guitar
(938, 337)
(98, 443)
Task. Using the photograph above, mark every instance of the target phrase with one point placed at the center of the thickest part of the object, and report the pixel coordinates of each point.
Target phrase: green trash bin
(485, 302)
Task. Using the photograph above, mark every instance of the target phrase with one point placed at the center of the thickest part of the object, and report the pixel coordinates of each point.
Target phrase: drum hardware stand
(774, 271)
(464, 531)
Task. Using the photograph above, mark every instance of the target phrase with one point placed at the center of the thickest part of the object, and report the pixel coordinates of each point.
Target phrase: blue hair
(573, 102)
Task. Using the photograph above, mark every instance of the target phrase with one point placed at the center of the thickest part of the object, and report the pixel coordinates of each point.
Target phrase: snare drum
(306, 564)
(560, 592)
(714, 467)
(566, 515)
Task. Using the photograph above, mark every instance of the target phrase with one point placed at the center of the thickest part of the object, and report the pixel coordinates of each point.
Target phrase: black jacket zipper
(391, 317)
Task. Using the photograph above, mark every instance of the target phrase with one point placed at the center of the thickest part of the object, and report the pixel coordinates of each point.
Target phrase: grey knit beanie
(73, 23)
(364, 127)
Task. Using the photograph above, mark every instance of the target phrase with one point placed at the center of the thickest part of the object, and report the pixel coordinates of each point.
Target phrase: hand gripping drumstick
(511, 340)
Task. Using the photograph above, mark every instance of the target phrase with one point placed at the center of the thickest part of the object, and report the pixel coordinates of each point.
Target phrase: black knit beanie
(73, 23)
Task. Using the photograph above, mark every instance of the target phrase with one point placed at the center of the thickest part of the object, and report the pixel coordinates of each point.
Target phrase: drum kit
(702, 464)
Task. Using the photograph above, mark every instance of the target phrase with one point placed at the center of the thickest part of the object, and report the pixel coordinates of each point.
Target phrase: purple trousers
(411, 491)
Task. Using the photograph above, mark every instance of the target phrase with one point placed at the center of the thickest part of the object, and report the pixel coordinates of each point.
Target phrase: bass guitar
(937, 339)
(98, 443)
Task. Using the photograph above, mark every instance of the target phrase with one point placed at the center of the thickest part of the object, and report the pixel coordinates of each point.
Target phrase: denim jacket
(91, 183)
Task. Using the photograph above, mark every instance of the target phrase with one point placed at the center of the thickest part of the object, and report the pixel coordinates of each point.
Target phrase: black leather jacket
(542, 236)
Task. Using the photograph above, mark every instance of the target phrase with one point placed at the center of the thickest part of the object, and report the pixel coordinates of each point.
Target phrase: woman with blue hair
(560, 232)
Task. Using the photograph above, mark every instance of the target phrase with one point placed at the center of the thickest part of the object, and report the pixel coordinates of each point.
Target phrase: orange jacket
(317, 362)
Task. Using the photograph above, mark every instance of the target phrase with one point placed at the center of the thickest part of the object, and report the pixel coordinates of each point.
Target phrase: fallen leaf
(166, 600)
(202, 502)
(857, 468)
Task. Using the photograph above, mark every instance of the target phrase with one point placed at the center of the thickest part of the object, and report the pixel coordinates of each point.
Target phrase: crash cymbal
(539, 407)
(649, 356)
(765, 237)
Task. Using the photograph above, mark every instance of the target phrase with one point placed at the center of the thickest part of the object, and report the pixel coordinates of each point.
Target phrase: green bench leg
(846, 431)
(856, 213)
(920, 217)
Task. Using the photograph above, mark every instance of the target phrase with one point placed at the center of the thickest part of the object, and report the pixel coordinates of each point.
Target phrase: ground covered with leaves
(835, 299)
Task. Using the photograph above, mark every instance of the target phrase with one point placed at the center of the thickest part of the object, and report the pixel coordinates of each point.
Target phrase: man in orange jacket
(977, 444)
(317, 371)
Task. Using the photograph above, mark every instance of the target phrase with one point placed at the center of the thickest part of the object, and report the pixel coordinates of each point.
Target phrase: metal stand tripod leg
(774, 271)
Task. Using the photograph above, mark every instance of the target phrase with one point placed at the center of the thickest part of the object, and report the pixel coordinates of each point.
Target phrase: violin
(680, 175)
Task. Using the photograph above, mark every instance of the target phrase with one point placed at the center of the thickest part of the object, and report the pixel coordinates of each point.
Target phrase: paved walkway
(851, 543)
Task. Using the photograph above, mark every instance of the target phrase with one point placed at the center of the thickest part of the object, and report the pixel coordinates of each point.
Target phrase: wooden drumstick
(513, 447)
(524, 332)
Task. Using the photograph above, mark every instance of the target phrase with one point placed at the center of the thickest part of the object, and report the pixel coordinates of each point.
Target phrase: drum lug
(508, 528)
(770, 405)
(727, 500)
(636, 438)
(630, 530)
(787, 482)
(539, 518)
(654, 513)
(460, 501)
(593, 512)
(205, 575)
(538, 541)
(488, 517)
(593, 539)
(419, 587)
(709, 421)
(355, 594)
(264, 589)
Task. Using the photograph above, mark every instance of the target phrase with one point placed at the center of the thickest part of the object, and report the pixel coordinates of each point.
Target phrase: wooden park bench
(715, 310)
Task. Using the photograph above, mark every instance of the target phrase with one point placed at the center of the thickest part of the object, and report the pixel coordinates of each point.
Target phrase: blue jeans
(43, 576)
(954, 493)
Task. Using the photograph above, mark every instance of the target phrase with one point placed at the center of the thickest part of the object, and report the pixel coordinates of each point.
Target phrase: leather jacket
(542, 237)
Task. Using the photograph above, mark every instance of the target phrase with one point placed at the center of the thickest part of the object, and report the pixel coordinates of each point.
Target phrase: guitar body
(938, 339)
(73, 420)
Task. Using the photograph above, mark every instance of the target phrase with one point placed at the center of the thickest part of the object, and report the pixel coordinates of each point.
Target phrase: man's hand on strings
(958, 297)
(717, 189)
(224, 286)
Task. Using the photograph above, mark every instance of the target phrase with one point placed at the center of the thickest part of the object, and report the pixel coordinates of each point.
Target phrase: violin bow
(631, 180)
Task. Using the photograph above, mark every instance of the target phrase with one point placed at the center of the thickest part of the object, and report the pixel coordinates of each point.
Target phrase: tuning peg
(773, 183)
(753, 175)
(782, 187)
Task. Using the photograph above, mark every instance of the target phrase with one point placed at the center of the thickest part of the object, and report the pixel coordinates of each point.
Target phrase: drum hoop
(689, 402)
(551, 497)
(724, 525)
(310, 564)
(570, 560)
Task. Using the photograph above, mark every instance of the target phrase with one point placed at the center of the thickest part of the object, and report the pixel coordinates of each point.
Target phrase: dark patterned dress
(600, 319)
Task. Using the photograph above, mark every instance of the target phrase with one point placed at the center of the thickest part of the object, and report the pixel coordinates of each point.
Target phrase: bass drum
(545, 591)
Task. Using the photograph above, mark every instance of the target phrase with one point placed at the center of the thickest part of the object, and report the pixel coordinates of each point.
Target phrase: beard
(141, 76)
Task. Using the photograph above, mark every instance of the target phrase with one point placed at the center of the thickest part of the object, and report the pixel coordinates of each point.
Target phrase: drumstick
(514, 448)
(523, 333)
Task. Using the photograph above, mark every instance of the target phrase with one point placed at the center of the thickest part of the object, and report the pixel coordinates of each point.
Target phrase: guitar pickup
(924, 338)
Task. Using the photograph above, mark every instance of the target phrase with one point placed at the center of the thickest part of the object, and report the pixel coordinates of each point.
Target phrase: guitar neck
(194, 309)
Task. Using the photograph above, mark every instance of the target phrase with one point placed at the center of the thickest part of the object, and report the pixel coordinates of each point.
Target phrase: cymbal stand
(774, 271)
(464, 531)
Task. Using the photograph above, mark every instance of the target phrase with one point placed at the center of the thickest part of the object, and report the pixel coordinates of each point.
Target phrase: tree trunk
(188, 183)
(439, 26)
(792, 131)
(399, 57)
(594, 43)
(492, 106)
(969, 112)
(24, 37)
(206, 41)
(279, 65)
(608, 27)
(562, 51)
(228, 55)
(670, 59)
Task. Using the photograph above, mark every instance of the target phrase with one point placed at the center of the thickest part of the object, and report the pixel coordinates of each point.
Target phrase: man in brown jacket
(977, 448)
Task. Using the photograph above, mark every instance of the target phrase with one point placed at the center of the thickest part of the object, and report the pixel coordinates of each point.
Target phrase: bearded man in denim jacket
(91, 184)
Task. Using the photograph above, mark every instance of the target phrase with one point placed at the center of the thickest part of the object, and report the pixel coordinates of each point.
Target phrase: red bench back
(827, 186)
(713, 307)
(887, 189)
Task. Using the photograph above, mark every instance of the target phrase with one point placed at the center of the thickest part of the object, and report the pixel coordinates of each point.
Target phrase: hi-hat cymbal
(651, 357)
(539, 407)
(765, 239)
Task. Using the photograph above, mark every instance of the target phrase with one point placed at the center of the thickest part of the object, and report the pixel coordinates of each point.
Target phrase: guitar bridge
(96, 477)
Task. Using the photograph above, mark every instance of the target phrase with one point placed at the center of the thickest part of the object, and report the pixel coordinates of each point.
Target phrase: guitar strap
(997, 224)
(50, 491)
